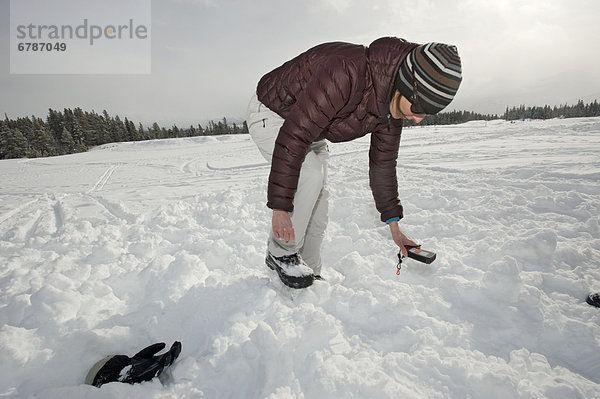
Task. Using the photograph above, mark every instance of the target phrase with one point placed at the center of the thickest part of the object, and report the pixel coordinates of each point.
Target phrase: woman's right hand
(283, 228)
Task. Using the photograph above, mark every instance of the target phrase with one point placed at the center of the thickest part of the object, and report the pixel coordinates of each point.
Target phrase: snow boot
(292, 270)
(594, 299)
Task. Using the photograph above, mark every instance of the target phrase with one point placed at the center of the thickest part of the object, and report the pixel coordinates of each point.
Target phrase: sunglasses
(415, 106)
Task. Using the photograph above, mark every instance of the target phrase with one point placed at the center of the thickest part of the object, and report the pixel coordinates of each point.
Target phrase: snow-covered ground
(109, 251)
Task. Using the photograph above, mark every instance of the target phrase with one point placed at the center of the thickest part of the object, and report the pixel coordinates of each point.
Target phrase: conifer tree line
(578, 110)
(455, 117)
(75, 130)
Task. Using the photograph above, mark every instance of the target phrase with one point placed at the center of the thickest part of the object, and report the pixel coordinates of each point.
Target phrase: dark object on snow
(143, 366)
(594, 299)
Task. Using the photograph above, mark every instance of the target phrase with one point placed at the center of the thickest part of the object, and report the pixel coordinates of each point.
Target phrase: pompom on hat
(436, 69)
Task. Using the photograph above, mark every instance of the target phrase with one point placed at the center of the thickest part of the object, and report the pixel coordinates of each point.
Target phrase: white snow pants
(311, 210)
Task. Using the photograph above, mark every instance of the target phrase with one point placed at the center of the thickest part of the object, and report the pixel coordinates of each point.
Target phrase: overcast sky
(207, 56)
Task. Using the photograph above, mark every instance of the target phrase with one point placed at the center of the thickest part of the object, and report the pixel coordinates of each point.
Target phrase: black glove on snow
(143, 366)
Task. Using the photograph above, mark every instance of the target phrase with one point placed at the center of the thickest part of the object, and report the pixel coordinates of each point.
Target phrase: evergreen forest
(72, 131)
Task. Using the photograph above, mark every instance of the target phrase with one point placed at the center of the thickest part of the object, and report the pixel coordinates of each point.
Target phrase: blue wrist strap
(394, 219)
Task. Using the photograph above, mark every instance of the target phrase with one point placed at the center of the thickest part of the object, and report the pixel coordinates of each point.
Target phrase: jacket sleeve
(328, 91)
(383, 154)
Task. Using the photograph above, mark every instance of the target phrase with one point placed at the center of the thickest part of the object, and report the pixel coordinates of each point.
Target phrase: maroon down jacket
(339, 92)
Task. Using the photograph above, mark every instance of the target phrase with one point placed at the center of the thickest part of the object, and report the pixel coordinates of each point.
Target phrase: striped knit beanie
(437, 71)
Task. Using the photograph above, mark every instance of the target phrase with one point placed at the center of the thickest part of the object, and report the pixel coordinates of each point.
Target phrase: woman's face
(400, 108)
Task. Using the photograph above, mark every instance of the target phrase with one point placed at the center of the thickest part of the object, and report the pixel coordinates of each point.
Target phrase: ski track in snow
(103, 179)
(134, 243)
(15, 211)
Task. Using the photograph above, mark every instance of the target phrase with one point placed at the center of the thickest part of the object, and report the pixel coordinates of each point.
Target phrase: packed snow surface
(130, 244)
